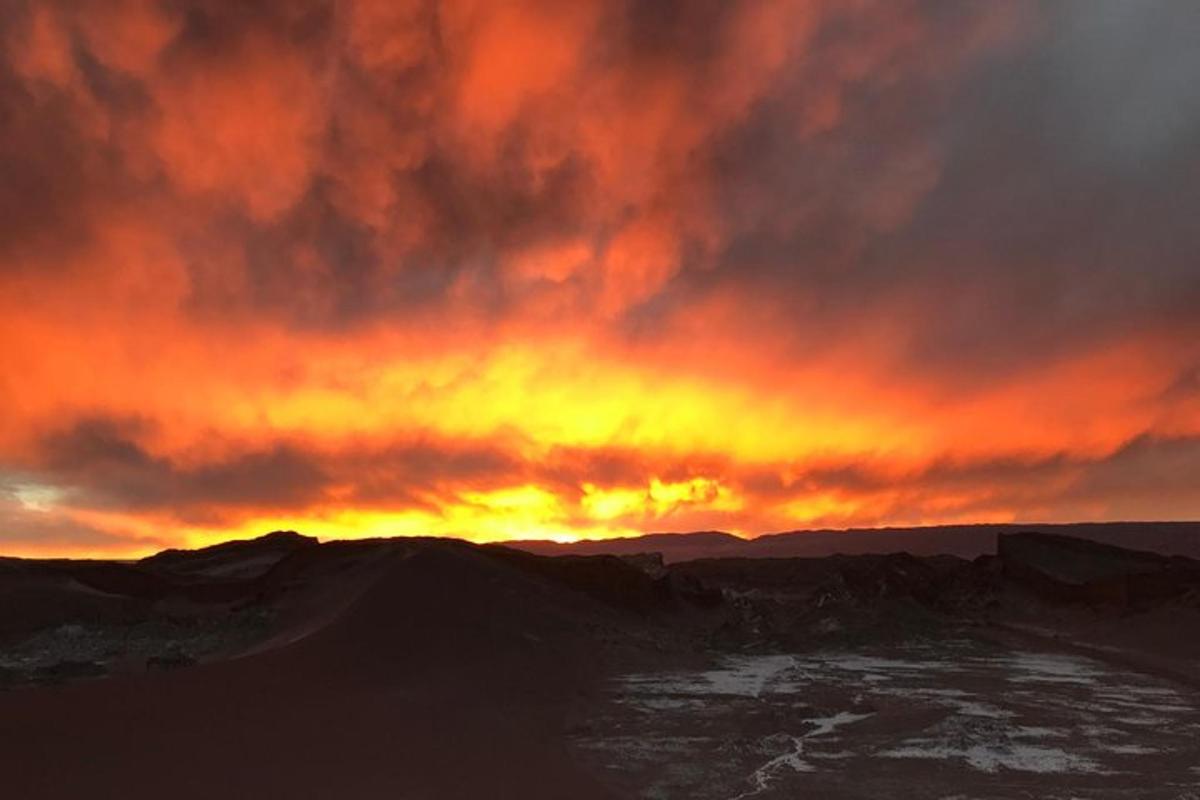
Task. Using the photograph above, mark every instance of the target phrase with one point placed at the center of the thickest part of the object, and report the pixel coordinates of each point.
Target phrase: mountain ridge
(966, 541)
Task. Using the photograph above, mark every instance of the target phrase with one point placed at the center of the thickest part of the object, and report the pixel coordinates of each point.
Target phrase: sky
(543, 269)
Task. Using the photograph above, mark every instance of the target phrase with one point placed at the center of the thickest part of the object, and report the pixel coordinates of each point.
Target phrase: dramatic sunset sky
(578, 269)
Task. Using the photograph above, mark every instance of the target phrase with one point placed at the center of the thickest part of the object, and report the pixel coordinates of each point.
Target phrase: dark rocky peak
(1067, 569)
(243, 558)
(1075, 561)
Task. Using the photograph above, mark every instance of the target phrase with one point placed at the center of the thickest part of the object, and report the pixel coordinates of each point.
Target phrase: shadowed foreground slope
(448, 677)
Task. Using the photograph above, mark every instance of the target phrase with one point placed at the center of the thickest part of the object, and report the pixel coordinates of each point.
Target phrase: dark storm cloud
(101, 462)
(1185, 386)
(1013, 211)
(857, 478)
(1034, 199)
(1136, 481)
(1123, 79)
(683, 29)
(313, 267)
(25, 525)
(1040, 237)
(414, 473)
(51, 177)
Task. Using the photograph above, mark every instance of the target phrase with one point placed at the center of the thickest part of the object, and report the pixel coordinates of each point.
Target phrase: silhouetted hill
(239, 558)
(442, 674)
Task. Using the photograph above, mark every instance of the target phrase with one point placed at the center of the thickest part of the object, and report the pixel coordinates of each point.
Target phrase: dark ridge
(1076, 560)
(1061, 568)
(227, 555)
(636, 582)
(673, 546)
(965, 541)
(970, 541)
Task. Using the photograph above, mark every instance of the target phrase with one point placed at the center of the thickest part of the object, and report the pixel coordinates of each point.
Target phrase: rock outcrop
(1065, 569)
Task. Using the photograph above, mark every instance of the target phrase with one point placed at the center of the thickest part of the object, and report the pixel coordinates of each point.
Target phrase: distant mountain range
(966, 541)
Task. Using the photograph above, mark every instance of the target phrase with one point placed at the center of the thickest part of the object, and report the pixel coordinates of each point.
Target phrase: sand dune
(448, 677)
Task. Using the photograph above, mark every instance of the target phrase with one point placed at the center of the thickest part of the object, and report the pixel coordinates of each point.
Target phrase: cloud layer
(561, 269)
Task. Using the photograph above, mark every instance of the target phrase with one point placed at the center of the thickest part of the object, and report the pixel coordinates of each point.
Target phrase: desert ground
(1053, 667)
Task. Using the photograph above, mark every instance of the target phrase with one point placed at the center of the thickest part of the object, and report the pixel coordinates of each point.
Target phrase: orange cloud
(245, 127)
(558, 270)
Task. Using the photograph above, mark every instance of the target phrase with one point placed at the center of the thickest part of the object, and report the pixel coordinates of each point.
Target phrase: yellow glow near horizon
(524, 511)
(560, 395)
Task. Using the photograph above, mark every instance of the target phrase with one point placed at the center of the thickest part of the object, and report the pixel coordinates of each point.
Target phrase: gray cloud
(101, 463)
(24, 524)
(1050, 187)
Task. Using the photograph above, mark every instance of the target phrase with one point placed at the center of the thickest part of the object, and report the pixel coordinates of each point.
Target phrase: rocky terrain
(1052, 666)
